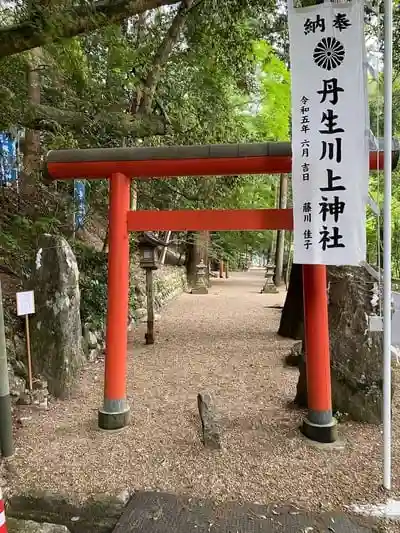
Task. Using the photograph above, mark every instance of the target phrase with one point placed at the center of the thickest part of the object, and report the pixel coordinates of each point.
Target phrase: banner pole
(387, 246)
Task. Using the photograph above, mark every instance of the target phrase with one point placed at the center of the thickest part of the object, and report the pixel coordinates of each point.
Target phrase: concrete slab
(157, 512)
(338, 445)
(389, 510)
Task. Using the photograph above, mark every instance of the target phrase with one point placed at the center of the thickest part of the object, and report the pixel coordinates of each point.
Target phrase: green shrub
(92, 266)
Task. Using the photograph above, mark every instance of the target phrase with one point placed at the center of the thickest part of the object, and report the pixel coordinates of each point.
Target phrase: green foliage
(376, 182)
(220, 83)
(273, 114)
(21, 229)
(93, 284)
(266, 118)
(251, 192)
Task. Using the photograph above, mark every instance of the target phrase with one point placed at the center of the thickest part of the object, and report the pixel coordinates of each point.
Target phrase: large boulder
(56, 330)
(356, 353)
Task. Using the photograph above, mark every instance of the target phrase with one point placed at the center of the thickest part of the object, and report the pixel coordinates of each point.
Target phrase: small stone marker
(210, 427)
(293, 358)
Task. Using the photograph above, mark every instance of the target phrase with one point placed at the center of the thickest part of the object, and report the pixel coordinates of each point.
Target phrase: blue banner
(80, 207)
(8, 158)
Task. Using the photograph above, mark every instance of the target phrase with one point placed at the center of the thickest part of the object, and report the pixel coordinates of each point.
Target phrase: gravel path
(223, 342)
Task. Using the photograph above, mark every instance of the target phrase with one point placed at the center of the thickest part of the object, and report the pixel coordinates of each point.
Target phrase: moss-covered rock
(56, 329)
(356, 353)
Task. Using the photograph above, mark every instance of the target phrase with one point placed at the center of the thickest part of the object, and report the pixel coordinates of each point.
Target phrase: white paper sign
(330, 133)
(25, 303)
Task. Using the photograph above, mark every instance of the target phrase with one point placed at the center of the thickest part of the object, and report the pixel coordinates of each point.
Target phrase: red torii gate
(121, 165)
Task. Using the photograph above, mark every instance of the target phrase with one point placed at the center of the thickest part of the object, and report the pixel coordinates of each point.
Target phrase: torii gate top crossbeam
(150, 162)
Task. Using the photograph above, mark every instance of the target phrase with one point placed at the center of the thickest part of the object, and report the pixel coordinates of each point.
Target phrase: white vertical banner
(330, 133)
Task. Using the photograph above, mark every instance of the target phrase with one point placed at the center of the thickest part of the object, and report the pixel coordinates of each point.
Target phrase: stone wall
(169, 282)
(17, 361)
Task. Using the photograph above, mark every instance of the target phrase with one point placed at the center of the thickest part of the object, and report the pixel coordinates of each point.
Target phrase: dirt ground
(225, 343)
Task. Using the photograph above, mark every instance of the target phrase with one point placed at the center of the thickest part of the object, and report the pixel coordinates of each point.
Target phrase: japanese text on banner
(329, 133)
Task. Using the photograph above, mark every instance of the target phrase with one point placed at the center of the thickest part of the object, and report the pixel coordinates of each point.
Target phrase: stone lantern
(149, 260)
(149, 256)
(201, 283)
(269, 285)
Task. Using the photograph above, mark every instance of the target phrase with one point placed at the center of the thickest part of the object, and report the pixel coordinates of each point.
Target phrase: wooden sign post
(26, 307)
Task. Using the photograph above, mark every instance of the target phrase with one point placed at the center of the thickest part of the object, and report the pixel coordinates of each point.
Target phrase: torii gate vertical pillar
(115, 411)
(319, 425)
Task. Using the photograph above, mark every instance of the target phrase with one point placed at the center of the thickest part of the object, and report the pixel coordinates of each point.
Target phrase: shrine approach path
(225, 343)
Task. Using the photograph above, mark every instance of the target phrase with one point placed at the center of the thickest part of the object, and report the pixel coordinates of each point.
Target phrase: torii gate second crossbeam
(121, 165)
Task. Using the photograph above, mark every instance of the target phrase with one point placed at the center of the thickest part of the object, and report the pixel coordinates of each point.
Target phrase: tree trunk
(47, 118)
(191, 258)
(272, 248)
(226, 269)
(196, 250)
(105, 241)
(161, 57)
(221, 268)
(292, 321)
(288, 260)
(164, 252)
(149, 336)
(301, 389)
(31, 160)
(280, 237)
(68, 22)
(134, 195)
